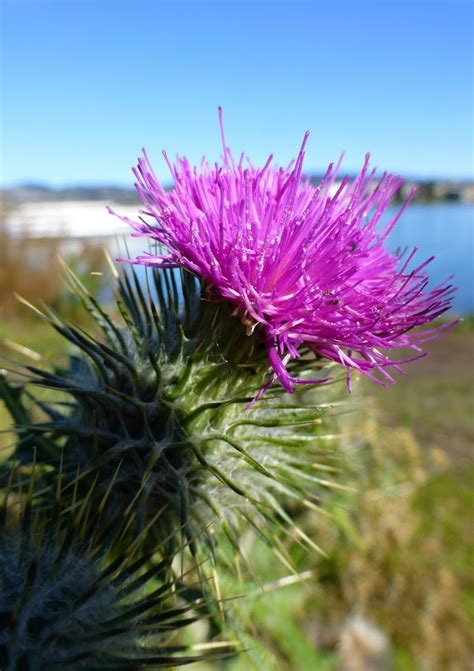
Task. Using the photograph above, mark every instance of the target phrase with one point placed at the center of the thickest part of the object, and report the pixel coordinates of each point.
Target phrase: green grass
(435, 398)
(31, 333)
(445, 504)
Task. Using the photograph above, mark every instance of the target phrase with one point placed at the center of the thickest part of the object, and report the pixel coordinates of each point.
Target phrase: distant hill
(31, 193)
(427, 191)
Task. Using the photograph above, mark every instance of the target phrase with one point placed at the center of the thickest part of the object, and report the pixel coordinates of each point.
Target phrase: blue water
(445, 230)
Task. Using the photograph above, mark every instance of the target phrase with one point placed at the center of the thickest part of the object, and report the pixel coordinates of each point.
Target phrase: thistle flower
(303, 265)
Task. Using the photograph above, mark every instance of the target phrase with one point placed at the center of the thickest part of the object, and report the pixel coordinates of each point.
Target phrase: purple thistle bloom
(305, 265)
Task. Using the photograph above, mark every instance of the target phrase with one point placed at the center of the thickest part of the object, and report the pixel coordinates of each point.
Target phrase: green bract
(155, 414)
(69, 601)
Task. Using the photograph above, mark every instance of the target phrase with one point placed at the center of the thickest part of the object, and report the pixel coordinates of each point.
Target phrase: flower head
(306, 265)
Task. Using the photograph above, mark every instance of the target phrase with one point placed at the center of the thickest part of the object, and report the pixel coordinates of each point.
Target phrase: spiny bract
(159, 416)
(66, 602)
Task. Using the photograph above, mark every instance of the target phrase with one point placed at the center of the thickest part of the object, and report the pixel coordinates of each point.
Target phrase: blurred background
(87, 83)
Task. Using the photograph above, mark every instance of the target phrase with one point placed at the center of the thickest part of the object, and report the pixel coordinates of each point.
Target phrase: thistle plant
(207, 398)
(156, 414)
(187, 414)
(68, 600)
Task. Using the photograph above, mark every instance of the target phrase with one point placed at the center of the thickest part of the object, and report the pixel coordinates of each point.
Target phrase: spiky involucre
(161, 407)
(66, 602)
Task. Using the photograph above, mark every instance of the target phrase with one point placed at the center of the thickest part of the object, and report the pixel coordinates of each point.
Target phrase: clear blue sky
(87, 83)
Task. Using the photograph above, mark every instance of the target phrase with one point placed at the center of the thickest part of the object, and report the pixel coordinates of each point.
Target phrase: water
(445, 230)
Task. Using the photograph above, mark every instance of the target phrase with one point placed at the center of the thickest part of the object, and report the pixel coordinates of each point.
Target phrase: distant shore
(433, 190)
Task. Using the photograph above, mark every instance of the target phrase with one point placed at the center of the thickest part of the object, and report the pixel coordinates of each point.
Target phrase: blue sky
(87, 83)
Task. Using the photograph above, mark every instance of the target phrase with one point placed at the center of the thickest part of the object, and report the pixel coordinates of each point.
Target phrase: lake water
(445, 230)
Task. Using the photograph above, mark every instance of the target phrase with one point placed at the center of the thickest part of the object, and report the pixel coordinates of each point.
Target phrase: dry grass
(31, 267)
(405, 563)
(435, 398)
